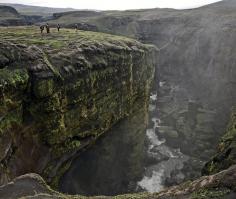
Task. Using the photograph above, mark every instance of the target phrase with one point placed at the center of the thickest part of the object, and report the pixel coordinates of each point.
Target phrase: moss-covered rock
(218, 186)
(12, 86)
(60, 92)
(226, 155)
(43, 88)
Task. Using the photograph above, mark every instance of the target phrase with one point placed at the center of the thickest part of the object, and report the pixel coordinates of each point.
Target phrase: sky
(114, 4)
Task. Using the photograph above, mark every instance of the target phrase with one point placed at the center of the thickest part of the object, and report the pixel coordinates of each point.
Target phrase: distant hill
(8, 12)
(36, 10)
(10, 16)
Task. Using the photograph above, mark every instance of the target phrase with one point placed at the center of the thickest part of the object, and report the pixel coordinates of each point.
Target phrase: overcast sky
(116, 5)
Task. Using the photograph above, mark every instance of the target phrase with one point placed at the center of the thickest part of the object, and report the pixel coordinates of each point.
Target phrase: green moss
(51, 67)
(54, 131)
(17, 78)
(217, 193)
(212, 167)
(226, 155)
(10, 119)
(43, 88)
(69, 145)
(55, 182)
(36, 42)
(57, 44)
(231, 130)
(10, 106)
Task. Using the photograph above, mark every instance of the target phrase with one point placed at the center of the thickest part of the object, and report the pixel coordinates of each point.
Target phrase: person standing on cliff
(47, 28)
(41, 29)
(58, 27)
(76, 27)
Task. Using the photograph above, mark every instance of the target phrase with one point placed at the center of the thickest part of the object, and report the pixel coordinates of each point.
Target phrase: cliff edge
(61, 91)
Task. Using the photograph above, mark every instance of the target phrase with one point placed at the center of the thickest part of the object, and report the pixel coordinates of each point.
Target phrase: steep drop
(61, 92)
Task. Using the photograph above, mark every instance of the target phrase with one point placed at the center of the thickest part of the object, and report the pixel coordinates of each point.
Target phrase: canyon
(194, 85)
(176, 135)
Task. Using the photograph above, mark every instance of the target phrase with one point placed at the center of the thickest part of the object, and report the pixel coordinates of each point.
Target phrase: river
(165, 159)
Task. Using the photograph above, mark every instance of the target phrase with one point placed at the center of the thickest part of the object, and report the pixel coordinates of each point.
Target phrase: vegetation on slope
(226, 155)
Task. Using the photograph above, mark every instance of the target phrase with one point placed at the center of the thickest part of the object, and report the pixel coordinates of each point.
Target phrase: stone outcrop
(60, 92)
(220, 185)
(115, 163)
(226, 155)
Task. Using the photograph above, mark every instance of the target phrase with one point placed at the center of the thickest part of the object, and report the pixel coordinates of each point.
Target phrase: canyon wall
(220, 185)
(115, 163)
(62, 91)
(195, 80)
(226, 154)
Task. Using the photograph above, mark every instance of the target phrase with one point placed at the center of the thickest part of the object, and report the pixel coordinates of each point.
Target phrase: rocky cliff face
(218, 186)
(114, 164)
(226, 155)
(60, 92)
(195, 83)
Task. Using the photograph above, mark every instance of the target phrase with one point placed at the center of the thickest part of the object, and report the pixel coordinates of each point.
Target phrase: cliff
(60, 92)
(9, 16)
(115, 163)
(195, 83)
(196, 65)
(226, 154)
(216, 186)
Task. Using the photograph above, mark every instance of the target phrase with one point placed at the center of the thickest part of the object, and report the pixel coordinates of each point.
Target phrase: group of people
(47, 27)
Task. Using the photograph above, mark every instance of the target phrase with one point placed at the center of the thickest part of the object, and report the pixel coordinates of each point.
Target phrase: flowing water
(168, 160)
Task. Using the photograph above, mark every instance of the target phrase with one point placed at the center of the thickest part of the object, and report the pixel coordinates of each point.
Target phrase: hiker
(58, 27)
(41, 29)
(47, 28)
(76, 27)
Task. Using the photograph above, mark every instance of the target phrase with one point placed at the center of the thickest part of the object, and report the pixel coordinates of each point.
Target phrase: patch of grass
(210, 193)
(57, 44)
(56, 40)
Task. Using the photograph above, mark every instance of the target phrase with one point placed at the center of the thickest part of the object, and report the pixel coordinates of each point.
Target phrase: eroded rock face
(226, 155)
(220, 185)
(195, 82)
(60, 92)
(115, 162)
